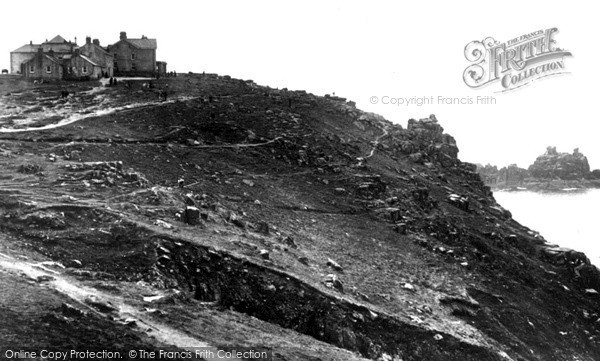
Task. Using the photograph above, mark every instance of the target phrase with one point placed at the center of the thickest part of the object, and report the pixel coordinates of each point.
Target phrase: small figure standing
(162, 95)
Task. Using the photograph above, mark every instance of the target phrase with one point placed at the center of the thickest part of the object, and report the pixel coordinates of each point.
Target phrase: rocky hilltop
(551, 171)
(236, 215)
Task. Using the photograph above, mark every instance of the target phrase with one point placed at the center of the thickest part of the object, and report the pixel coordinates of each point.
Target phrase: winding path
(384, 128)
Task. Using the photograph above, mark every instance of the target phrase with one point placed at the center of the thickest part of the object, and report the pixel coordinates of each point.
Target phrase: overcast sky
(359, 50)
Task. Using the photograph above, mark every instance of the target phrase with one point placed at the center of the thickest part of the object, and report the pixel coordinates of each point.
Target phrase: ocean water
(568, 219)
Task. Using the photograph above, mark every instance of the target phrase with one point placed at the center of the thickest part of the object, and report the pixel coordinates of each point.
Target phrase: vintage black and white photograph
(299, 180)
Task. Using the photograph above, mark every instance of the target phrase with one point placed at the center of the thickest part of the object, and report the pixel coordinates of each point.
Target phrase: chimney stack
(96, 42)
(88, 40)
(123, 35)
(30, 42)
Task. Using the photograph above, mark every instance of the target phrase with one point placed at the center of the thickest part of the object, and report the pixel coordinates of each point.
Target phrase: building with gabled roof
(134, 57)
(83, 67)
(42, 66)
(21, 55)
(98, 55)
(58, 45)
(127, 57)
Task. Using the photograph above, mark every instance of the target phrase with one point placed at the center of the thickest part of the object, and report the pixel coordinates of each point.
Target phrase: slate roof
(95, 46)
(88, 60)
(52, 58)
(143, 43)
(31, 48)
(27, 48)
(57, 39)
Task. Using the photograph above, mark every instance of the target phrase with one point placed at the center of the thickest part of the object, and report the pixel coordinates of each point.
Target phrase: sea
(568, 219)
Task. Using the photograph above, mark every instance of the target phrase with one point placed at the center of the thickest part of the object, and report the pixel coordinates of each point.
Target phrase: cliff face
(272, 218)
(553, 164)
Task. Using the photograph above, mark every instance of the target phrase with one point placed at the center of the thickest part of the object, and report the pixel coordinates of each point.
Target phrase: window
(132, 66)
(84, 69)
(132, 56)
(32, 69)
(49, 69)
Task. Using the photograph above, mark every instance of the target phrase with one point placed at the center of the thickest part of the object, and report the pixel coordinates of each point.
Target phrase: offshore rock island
(237, 215)
(552, 171)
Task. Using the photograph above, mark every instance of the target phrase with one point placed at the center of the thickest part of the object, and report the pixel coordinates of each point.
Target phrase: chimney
(30, 42)
(88, 40)
(96, 42)
(123, 35)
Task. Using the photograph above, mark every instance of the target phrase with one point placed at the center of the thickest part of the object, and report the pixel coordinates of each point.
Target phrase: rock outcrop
(426, 137)
(553, 164)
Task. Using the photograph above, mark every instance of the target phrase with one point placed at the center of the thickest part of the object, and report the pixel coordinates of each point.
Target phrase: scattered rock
(71, 311)
(264, 254)
(189, 199)
(102, 306)
(332, 281)
(44, 278)
(289, 241)
(163, 224)
(333, 264)
(304, 261)
(236, 220)
(391, 214)
(271, 288)
(74, 263)
(192, 215)
(400, 228)
(459, 202)
(263, 227)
